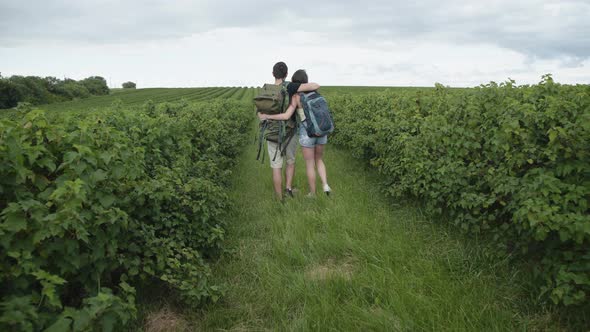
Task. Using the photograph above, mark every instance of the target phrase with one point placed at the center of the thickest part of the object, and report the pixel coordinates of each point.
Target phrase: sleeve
(292, 89)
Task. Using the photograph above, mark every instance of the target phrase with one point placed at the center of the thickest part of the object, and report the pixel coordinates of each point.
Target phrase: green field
(137, 97)
(360, 260)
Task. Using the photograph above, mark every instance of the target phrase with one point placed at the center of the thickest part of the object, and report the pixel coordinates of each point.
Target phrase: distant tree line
(38, 90)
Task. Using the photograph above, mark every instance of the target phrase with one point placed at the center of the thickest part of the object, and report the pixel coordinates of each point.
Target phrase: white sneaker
(327, 189)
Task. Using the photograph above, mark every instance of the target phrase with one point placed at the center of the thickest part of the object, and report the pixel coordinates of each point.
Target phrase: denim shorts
(310, 142)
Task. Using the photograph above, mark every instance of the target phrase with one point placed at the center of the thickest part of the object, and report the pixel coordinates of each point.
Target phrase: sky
(181, 43)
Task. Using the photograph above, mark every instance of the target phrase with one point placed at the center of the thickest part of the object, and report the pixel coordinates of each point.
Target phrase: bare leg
(308, 155)
(319, 155)
(277, 180)
(289, 172)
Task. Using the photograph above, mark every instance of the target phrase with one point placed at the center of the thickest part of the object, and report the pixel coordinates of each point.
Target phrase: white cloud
(205, 43)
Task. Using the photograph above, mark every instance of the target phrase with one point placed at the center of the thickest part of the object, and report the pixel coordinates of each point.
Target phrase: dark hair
(279, 70)
(300, 76)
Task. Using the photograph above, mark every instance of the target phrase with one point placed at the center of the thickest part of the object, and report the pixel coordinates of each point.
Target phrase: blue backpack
(318, 120)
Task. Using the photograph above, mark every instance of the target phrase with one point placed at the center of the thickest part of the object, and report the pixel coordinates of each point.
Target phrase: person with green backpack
(278, 134)
(315, 123)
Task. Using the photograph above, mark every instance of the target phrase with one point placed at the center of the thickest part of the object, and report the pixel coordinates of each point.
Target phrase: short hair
(300, 76)
(279, 70)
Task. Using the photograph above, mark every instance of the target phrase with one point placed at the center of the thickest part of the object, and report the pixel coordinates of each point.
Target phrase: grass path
(353, 262)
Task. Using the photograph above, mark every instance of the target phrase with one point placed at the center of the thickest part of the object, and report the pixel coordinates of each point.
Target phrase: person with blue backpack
(315, 123)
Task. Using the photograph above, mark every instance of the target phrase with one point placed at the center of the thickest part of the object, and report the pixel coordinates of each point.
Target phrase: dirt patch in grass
(165, 320)
(331, 269)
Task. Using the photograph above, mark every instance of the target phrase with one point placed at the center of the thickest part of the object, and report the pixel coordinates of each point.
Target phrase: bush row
(508, 162)
(93, 204)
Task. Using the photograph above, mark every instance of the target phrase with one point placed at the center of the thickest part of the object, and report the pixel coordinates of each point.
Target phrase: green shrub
(92, 205)
(129, 85)
(96, 85)
(508, 162)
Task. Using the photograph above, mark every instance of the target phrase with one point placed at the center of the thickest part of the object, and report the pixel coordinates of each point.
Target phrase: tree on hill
(129, 85)
(31, 89)
(9, 94)
(38, 90)
(96, 85)
(71, 89)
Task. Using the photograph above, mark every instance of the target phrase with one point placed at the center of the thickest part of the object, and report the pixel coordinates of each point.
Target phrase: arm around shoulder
(305, 87)
(282, 116)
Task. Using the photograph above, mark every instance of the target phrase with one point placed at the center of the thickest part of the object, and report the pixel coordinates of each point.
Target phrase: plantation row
(507, 163)
(92, 204)
(133, 98)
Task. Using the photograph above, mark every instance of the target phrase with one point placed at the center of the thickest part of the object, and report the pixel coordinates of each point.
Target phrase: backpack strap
(284, 150)
(307, 94)
(280, 143)
(261, 141)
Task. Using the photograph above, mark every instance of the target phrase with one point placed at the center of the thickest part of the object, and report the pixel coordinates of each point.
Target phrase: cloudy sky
(181, 43)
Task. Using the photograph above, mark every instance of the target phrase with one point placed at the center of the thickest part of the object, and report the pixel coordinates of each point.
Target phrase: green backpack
(273, 99)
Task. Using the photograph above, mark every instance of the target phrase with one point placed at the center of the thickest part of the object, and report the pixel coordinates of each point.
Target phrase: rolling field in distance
(137, 97)
(131, 98)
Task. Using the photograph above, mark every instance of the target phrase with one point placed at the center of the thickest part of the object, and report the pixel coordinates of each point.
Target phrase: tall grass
(354, 261)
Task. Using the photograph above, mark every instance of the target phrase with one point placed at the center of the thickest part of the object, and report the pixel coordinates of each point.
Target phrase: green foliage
(93, 204)
(70, 89)
(129, 85)
(36, 90)
(506, 162)
(31, 89)
(9, 94)
(96, 85)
